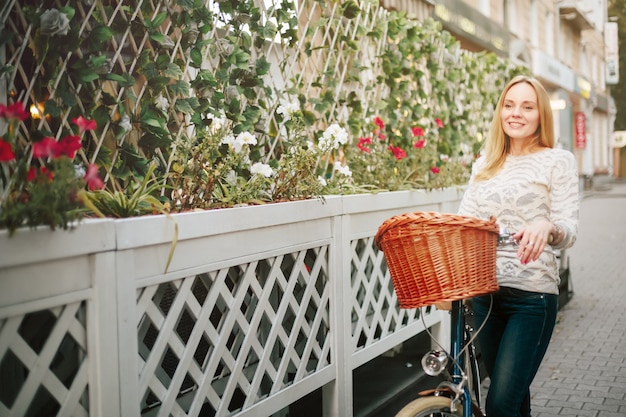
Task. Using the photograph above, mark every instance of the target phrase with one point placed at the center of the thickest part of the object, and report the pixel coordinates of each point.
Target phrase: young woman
(532, 190)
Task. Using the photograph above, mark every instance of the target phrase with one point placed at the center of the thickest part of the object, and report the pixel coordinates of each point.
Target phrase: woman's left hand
(532, 240)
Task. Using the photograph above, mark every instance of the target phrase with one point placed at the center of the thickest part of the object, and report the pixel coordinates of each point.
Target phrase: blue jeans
(512, 345)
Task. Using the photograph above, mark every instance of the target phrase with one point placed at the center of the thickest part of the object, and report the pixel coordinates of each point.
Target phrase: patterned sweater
(545, 185)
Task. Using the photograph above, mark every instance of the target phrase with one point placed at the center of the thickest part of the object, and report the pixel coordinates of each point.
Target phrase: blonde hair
(498, 144)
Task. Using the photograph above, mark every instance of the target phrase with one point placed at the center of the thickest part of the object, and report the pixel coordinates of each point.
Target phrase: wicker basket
(435, 257)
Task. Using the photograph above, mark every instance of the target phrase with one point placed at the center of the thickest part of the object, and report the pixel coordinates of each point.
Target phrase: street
(584, 372)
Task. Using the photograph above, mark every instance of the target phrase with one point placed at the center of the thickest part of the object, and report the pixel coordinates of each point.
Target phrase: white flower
(322, 180)
(228, 140)
(444, 157)
(125, 123)
(52, 22)
(161, 103)
(260, 168)
(344, 170)
(246, 138)
(218, 121)
(333, 137)
(287, 110)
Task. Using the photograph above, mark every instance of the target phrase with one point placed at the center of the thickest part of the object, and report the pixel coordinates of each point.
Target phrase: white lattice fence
(260, 306)
(233, 337)
(44, 368)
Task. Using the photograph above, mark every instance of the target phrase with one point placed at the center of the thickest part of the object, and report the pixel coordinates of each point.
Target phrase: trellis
(25, 78)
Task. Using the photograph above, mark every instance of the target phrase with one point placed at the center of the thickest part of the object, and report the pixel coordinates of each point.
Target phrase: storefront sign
(552, 70)
(611, 53)
(618, 139)
(460, 18)
(583, 87)
(580, 130)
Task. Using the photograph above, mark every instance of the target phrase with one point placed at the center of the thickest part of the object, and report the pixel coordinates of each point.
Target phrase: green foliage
(175, 92)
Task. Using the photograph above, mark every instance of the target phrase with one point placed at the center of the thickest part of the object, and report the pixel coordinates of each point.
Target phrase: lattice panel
(375, 309)
(43, 363)
(336, 59)
(220, 341)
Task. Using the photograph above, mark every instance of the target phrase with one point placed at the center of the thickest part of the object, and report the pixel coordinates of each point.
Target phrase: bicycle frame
(456, 351)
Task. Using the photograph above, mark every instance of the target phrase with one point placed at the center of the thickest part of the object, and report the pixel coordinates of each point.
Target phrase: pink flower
(92, 179)
(6, 152)
(439, 123)
(397, 152)
(46, 148)
(435, 170)
(417, 131)
(379, 122)
(419, 143)
(68, 146)
(13, 111)
(84, 124)
(364, 143)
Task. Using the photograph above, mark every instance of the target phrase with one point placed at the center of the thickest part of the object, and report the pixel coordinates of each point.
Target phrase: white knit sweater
(545, 185)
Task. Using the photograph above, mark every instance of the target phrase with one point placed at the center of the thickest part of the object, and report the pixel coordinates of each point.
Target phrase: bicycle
(460, 394)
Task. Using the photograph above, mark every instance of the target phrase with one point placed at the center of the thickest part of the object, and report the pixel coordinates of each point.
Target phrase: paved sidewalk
(584, 372)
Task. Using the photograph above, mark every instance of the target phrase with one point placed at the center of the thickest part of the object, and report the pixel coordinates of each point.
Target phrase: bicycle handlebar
(506, 238)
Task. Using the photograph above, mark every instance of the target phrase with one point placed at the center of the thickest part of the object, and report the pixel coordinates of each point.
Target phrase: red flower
(439, 123)
(68, 146)
(435, 170)
(6, 152)
(417, 131)
(93, 180)
(13, 111)
(397, 152)
(379, 122)
(363, 144)
(46, 173)
(42, 173)
(84, 124)
(32, 173)
(382, 137)
(46, 148)
(419, 143)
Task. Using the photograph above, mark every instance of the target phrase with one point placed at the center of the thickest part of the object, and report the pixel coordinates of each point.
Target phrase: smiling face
(520, 112)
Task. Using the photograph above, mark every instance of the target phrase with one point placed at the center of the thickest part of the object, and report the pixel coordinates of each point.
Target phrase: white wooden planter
(258, 307)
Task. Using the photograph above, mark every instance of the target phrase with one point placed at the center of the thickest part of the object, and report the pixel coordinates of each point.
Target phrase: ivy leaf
(51, 108)
(186, 105)
(173, 71)
(97, 62)
(179, 88)
(186, 4)
(351, 9)
(101, 34)
(152, 122)
(101, 115)
(158, 37)
(195, 54)
(157, 21)
(87, 75)
(262, 66)
(68, 98)
(68, 11)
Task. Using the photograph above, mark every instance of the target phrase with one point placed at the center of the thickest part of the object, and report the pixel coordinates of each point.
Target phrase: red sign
(581, 130)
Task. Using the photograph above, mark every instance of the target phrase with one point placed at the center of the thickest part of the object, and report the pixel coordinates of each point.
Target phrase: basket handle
(434, 218)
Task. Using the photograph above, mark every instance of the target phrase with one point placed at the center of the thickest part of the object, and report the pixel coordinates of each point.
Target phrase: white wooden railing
(259, 307)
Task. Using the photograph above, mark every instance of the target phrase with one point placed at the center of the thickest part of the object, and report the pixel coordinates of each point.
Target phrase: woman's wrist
(556, 236)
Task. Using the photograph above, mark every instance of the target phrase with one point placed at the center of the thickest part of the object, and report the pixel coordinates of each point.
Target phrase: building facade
(563, 44)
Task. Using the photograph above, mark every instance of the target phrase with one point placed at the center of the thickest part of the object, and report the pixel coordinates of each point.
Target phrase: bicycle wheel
(431, 407)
